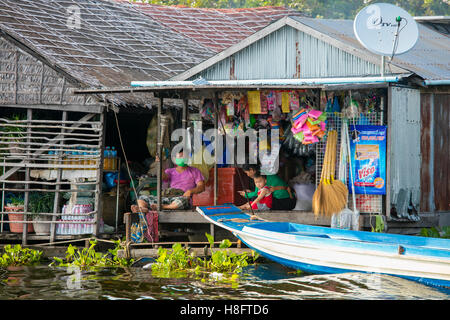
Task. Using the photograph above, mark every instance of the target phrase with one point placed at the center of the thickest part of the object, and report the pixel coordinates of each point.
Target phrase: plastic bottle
(73, 161)
(55, 159)
(89, 158)
(67, 159)
(108, 158)
(51, 155)
(80, 160)
(93, 160)
(105, 158)
(114, 158)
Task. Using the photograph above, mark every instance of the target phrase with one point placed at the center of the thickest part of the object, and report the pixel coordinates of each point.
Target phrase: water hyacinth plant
(18, 256)
(180, 262)
(436, 232)
(88, 258)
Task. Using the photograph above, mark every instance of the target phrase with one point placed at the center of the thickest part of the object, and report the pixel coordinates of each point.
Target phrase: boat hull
(326, 261)
(326, 250)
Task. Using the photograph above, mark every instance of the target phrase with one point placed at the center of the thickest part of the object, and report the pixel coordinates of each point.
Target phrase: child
(264, 199)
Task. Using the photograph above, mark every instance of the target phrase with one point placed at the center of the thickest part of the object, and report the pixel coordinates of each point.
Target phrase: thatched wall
(25, 80)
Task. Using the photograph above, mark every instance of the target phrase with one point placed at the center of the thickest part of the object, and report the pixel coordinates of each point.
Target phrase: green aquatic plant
(88, 258)
(224, 260)
(18, 256)
(223, 264)
(436, 232)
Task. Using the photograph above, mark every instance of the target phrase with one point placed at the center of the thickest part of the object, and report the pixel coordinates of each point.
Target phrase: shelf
(70, 175)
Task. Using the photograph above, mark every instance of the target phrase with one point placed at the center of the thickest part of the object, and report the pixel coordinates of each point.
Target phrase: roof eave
(148, 86)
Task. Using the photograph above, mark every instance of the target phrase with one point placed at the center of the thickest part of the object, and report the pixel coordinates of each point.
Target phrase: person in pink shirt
(184, 181)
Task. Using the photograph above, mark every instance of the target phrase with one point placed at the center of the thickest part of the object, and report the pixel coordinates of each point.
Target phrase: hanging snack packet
(254, 102)
(294, 103)
(271, 100)
(264, 107)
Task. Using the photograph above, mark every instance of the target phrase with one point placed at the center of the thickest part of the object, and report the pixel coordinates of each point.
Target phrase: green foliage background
(328, 9)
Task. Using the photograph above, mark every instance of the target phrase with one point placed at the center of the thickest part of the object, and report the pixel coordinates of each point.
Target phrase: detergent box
(368, 158)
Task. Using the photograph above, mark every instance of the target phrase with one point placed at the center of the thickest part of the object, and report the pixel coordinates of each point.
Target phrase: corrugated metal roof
(289, 53)
(430, 57)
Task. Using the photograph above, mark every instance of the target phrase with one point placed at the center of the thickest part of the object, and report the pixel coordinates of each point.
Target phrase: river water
(262, 281)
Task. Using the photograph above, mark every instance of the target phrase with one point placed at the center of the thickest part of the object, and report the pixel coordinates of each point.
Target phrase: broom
(331, 195)
(320, 199)
(340, 189)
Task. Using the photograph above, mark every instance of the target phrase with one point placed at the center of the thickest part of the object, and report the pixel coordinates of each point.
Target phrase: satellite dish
(385, 29)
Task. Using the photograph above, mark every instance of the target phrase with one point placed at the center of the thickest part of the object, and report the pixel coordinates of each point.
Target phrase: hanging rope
(129, 174)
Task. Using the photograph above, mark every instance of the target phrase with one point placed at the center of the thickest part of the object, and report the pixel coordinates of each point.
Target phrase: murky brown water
(264, 281)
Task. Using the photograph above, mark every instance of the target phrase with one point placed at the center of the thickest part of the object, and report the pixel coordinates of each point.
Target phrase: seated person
(264, 199)
(283, 197)
(184, 181)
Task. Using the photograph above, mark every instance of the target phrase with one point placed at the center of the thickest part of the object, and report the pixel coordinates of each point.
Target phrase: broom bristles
(331, 195)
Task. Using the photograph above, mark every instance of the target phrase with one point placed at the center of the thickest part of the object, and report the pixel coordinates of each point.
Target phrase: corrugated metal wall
(289, 53)
(404, 147)
(435, 150)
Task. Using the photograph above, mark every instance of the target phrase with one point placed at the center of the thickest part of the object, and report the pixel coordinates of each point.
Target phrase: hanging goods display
(368, 156)
(256, 106)
(308, 125)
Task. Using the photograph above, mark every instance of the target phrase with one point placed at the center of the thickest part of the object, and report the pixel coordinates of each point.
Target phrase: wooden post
(3, 197)
(184, 125)
(185, 111)
(216, 119)
(388, 153)
(159, 154)
(98, 187)
(27, 179)
(127, 218)
(58, 186)
(216, 178)
(118, 192)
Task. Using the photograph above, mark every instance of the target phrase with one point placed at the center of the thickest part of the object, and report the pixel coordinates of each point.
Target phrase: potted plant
(15, 204)
(41, 202)
(11, 134)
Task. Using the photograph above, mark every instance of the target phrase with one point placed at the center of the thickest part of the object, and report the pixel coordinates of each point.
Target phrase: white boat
(318, 249)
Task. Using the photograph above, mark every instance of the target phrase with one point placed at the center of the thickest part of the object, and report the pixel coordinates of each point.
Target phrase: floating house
(48, 49)
(66, 71)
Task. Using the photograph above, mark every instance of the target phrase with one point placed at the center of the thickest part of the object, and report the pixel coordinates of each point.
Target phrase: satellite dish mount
(386, 30)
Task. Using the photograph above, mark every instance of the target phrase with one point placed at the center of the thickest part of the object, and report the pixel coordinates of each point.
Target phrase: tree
(328, 9)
